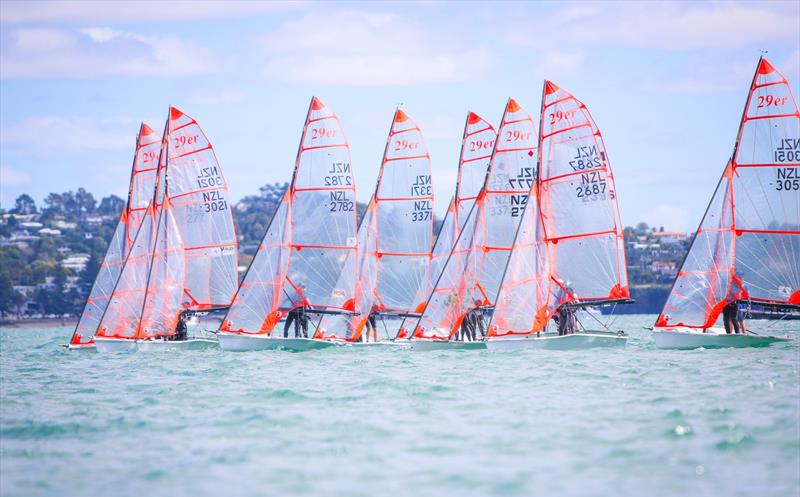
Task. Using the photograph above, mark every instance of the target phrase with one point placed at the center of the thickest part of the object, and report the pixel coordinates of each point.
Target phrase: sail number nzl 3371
(422, 186)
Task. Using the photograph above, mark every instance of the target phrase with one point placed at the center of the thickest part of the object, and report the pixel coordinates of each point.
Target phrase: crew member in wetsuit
(467, 328)
(299, 318)
(730, 317)
(180, 329)
(372, 326)
(565, 315)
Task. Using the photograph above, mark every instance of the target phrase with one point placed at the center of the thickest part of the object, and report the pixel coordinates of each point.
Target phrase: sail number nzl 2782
(339, 175)
(339, 202)
(788, 150)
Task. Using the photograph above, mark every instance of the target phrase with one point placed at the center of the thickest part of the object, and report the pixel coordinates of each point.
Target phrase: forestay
(140, 194)
(471, 276)
(311, 236)
(748, 243)
(570, 247)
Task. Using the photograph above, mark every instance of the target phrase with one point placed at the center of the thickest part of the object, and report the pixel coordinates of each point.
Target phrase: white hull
(87, 347)
(575, 341)
(105, 345)
(715, 338)
(424, 345)
(404, 344)
(240, 342)
(110, 345)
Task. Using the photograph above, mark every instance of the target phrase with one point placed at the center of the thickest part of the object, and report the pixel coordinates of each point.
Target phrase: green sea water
(629, 422)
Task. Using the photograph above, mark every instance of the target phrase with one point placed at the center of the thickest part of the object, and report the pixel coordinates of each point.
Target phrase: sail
(472, 274)
(311, 238)
(165, 283)
(201, 205)
(476, 152)
(403, 221)
(140, 193)
(578, 203)
(576, 219)
(748, 243)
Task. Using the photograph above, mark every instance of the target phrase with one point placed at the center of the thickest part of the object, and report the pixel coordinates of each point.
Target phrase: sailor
(292, 318)
(372, 325)
(565, 315)
(730, 317)
(468, 327)
(180, 329)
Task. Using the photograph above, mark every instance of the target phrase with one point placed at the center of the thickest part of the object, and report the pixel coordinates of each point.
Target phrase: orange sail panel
(748, 243)
(140, 194)
(578, 203)
(201, 205)
(472, 274)
(312, 236)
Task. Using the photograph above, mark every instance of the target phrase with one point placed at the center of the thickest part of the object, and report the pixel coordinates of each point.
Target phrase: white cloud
(661, 25)
(13, 177)
(99, 51)
(128, 11)
(366, 48)
(64, 134)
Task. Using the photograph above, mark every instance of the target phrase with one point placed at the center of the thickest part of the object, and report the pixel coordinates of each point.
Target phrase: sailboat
(470, 279)
(569, 251)
(297, 271)
(140, 193)
(393, 260)
(747, 248)
(184, 256)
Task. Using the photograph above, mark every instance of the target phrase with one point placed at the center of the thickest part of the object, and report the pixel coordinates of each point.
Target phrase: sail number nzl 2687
(788, 150)
(593, 187)
(339, 175)
(788, 179)
(339, 203)
(586, 157)
(422, 187)
(423, 211)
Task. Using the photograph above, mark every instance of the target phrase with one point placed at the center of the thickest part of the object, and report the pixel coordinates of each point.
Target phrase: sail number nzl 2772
(788, 150)
(339, 175)
(788, 179)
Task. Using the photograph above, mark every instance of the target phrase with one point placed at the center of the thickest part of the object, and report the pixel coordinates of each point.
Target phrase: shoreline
(37, 323)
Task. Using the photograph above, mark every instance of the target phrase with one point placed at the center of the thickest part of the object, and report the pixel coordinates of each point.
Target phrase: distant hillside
(49, 255)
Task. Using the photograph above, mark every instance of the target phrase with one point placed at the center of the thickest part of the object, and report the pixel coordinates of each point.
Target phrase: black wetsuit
(468, 326)
(566, 321)
(180, 329)
(296, 316)
(730, 318)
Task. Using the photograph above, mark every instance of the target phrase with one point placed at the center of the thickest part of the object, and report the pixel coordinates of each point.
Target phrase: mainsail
(748, 244)
(472, 274)
(311, 236)
(184, 254)
(476, 153)
(140, 193)
(569, 248)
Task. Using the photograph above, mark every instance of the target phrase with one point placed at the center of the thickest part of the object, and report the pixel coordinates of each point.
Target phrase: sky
(666, 83)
